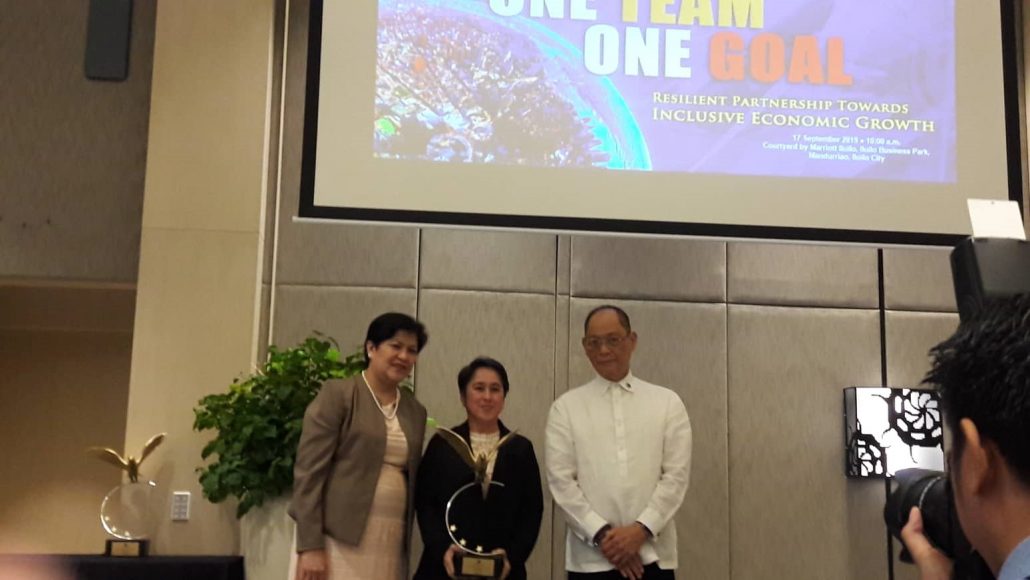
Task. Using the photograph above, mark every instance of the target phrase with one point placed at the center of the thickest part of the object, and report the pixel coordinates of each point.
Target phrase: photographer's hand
(932, 563)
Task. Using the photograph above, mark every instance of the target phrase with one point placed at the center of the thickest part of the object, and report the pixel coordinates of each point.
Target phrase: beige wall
(199, 274)
(65, 358)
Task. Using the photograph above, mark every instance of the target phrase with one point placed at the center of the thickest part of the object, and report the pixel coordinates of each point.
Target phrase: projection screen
(868, 121)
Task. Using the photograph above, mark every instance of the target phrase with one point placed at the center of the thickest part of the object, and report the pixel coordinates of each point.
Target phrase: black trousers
(651, 572)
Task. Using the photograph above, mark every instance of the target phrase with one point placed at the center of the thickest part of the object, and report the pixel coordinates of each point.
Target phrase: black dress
(511, 514)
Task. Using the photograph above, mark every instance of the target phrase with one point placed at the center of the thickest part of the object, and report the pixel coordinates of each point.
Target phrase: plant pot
(266, 538)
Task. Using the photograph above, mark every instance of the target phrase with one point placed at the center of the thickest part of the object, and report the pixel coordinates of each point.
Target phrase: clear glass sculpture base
(127, 512)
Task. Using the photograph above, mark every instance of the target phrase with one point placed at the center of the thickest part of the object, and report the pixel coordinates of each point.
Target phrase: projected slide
(791, 88)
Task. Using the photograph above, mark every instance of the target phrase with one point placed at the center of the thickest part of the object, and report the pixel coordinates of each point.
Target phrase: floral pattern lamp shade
(886, 430)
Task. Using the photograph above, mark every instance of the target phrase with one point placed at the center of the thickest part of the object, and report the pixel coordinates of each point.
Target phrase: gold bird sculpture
(477, 462)
(128, 464)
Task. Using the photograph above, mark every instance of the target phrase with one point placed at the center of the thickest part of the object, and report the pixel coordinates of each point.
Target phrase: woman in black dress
(507, 518)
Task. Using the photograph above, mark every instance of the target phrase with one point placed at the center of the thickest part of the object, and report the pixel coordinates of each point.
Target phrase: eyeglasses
(612, 342)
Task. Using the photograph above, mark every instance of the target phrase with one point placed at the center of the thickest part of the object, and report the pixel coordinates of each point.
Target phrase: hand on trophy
(312, 565)
(448, 559)
(507, 564)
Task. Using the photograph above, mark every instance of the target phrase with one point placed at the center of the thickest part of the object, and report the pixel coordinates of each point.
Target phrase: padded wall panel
(342, 313)
(918, 279)
(910, 336)
(564, 263)
(867, 533)
(341, 254)
(648, 268)
(801, 274)
(789, 508)
(488, 260)
(563, 347)
(566, 343)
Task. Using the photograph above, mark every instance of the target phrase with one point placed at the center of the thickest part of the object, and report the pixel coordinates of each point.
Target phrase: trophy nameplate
(127, 548)
(478, 566)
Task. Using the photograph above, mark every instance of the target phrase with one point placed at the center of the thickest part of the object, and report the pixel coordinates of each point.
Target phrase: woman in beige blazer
(354, 477)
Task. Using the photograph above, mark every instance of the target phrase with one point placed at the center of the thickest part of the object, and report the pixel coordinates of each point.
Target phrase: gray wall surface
(72, 150)
(761, 370)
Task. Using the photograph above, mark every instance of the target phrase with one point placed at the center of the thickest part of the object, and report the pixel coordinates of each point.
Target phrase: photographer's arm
(932, 563)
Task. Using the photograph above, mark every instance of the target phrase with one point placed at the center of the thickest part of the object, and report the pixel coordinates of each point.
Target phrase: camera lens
(930, 491)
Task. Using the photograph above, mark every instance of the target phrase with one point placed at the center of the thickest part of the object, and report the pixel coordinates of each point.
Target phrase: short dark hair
(386, 326)
(983, 374)
(481, 362)
(623, 317)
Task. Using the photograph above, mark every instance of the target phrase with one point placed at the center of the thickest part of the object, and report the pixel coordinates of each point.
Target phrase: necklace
(396, 401)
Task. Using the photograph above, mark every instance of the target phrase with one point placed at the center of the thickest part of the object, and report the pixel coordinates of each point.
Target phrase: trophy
(127, 513)
(464, 516)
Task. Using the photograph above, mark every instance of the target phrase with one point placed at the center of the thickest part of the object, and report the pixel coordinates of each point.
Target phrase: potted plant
(258, 425)
(258, 422)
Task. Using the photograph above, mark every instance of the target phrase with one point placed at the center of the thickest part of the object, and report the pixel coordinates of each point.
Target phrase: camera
(930, 491)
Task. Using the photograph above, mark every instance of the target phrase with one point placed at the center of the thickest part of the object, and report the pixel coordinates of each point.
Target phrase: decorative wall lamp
(886, 430)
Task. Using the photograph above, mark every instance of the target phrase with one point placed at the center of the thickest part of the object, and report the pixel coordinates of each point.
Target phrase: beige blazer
(339, 457)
